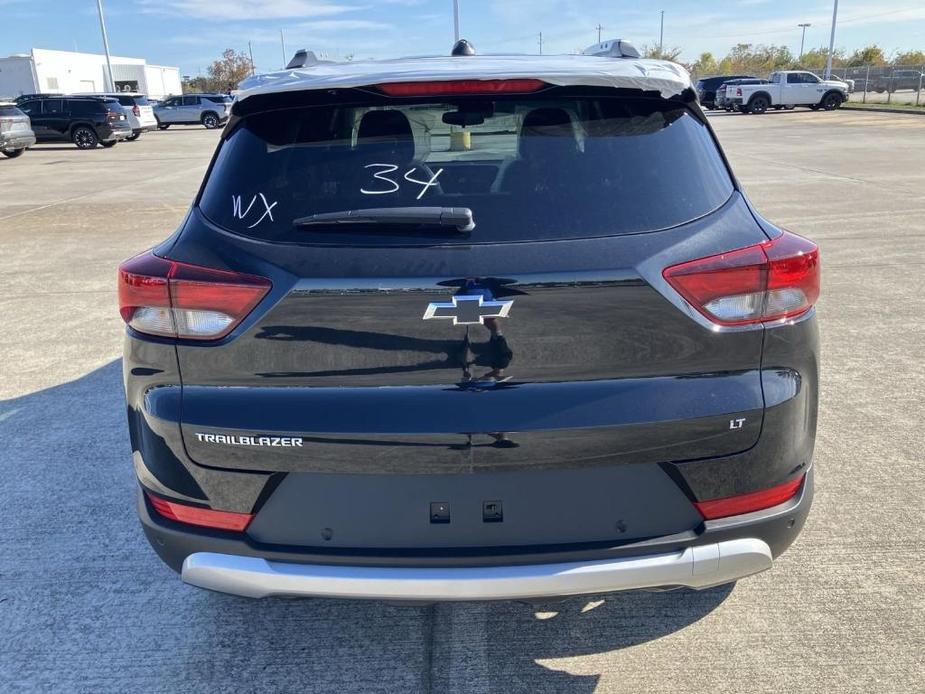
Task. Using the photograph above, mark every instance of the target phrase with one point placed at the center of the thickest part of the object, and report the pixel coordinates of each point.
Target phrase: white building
(67, 72)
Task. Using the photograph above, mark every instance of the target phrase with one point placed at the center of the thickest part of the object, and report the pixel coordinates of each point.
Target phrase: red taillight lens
(136, 110)
(738, 91)
(203, 517)
(769, 281)
(173, 299)
(512, 86)
(746, 503)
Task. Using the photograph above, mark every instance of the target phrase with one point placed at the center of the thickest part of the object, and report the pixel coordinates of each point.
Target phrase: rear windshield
(220, 99)
(10, 111)
(528, 167)
(133, 100)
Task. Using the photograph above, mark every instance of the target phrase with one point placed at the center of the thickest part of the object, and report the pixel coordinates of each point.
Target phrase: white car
(786, 89)
(138, 112)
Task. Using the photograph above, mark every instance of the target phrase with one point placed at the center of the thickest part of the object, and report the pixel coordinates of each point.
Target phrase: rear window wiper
(457, 218)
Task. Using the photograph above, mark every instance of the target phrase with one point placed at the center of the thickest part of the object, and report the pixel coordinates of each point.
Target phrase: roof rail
(612, 48)
(304, 58)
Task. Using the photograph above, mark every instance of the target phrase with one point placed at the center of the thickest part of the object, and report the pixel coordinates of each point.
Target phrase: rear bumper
(16, 140)
(717, 552)
(695, 567)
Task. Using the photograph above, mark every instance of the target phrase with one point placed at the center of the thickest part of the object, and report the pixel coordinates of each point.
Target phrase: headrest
(390, 130)
(547, 122)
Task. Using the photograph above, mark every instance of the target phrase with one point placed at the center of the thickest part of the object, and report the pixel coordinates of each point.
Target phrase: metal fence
(900, 84)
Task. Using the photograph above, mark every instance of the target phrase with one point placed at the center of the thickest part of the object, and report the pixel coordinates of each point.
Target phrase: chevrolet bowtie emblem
(468, 310)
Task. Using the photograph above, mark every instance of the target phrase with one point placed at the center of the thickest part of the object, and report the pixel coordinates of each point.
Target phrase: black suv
(84, 120)
(706, 88)
(471, 328)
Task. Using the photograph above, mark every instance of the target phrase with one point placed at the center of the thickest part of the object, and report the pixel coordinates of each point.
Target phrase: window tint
(84, 107)
(31, 107)
(190, 100)
(53, 106)
(171, 102)
(218, 99)
(139, 100)
(9, 111)
(809, 78)
(794, 78)
(529, 168)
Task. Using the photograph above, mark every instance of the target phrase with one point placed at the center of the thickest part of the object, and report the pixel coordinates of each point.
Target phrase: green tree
(869, 55)
(757, 59)
(909, 58)
(704, 65)
(661, 53)
(816, 59)
(223, 75)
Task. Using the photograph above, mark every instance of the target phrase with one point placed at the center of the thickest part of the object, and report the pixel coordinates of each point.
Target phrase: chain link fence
(900, 84)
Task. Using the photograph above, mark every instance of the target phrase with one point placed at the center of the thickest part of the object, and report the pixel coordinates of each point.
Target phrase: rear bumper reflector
(753, 501)
(196, 515)
(694, 567)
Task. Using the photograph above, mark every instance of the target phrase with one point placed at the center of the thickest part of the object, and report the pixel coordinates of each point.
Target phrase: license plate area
(508, 509)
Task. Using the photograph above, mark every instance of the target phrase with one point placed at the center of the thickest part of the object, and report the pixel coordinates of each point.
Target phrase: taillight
(180, 300)
(136, 110)
(769, 281)
(6, 124)
(112, 115)
(738, 91)
(203, 517)
(746, 503)
(516, 86)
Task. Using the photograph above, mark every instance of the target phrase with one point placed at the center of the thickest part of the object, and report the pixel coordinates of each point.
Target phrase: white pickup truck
(787, 89)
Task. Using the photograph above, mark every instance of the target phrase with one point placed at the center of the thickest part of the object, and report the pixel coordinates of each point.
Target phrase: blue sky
(191, 33)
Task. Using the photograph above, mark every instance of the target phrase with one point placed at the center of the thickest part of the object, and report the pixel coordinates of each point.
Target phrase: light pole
(282, 42)
(99, 8)
(803, 38)
(456, 20)
(828, 63)
(541, 43)
(599, 29)
(661, 33)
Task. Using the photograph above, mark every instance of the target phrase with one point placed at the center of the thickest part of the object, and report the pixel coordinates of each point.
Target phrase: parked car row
(784, 89)
(104, 119)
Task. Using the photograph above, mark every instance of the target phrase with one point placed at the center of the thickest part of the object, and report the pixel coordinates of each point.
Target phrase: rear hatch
(12, 120)
(544, 337)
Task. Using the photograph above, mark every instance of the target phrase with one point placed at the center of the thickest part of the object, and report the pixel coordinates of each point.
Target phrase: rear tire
(13, 153)
(163, 126)
(759, 105)
(107, 145)
(133, 137)
(84, 137)
(210, 120)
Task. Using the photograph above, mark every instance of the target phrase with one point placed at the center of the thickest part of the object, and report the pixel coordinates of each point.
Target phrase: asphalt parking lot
(85, 605)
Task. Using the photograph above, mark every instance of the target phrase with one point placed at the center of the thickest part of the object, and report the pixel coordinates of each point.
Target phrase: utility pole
(456, 20)
(541, 43)
(250, 50)
(661, 33)
(599, 29)
(282, 42)
(112, 82)
(803, 38)
(828, 63)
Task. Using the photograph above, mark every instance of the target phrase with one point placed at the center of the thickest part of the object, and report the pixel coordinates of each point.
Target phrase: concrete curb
(875, 109)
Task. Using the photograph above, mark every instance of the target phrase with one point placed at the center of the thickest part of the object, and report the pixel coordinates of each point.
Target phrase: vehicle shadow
(87, 606)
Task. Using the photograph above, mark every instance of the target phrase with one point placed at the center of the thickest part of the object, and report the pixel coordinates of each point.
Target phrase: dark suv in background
(87, 121)
(707, 86)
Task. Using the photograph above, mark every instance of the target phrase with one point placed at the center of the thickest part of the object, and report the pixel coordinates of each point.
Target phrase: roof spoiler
(612, 48)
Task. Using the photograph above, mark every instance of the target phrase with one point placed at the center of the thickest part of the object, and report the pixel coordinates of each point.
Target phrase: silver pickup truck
(786, 89)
